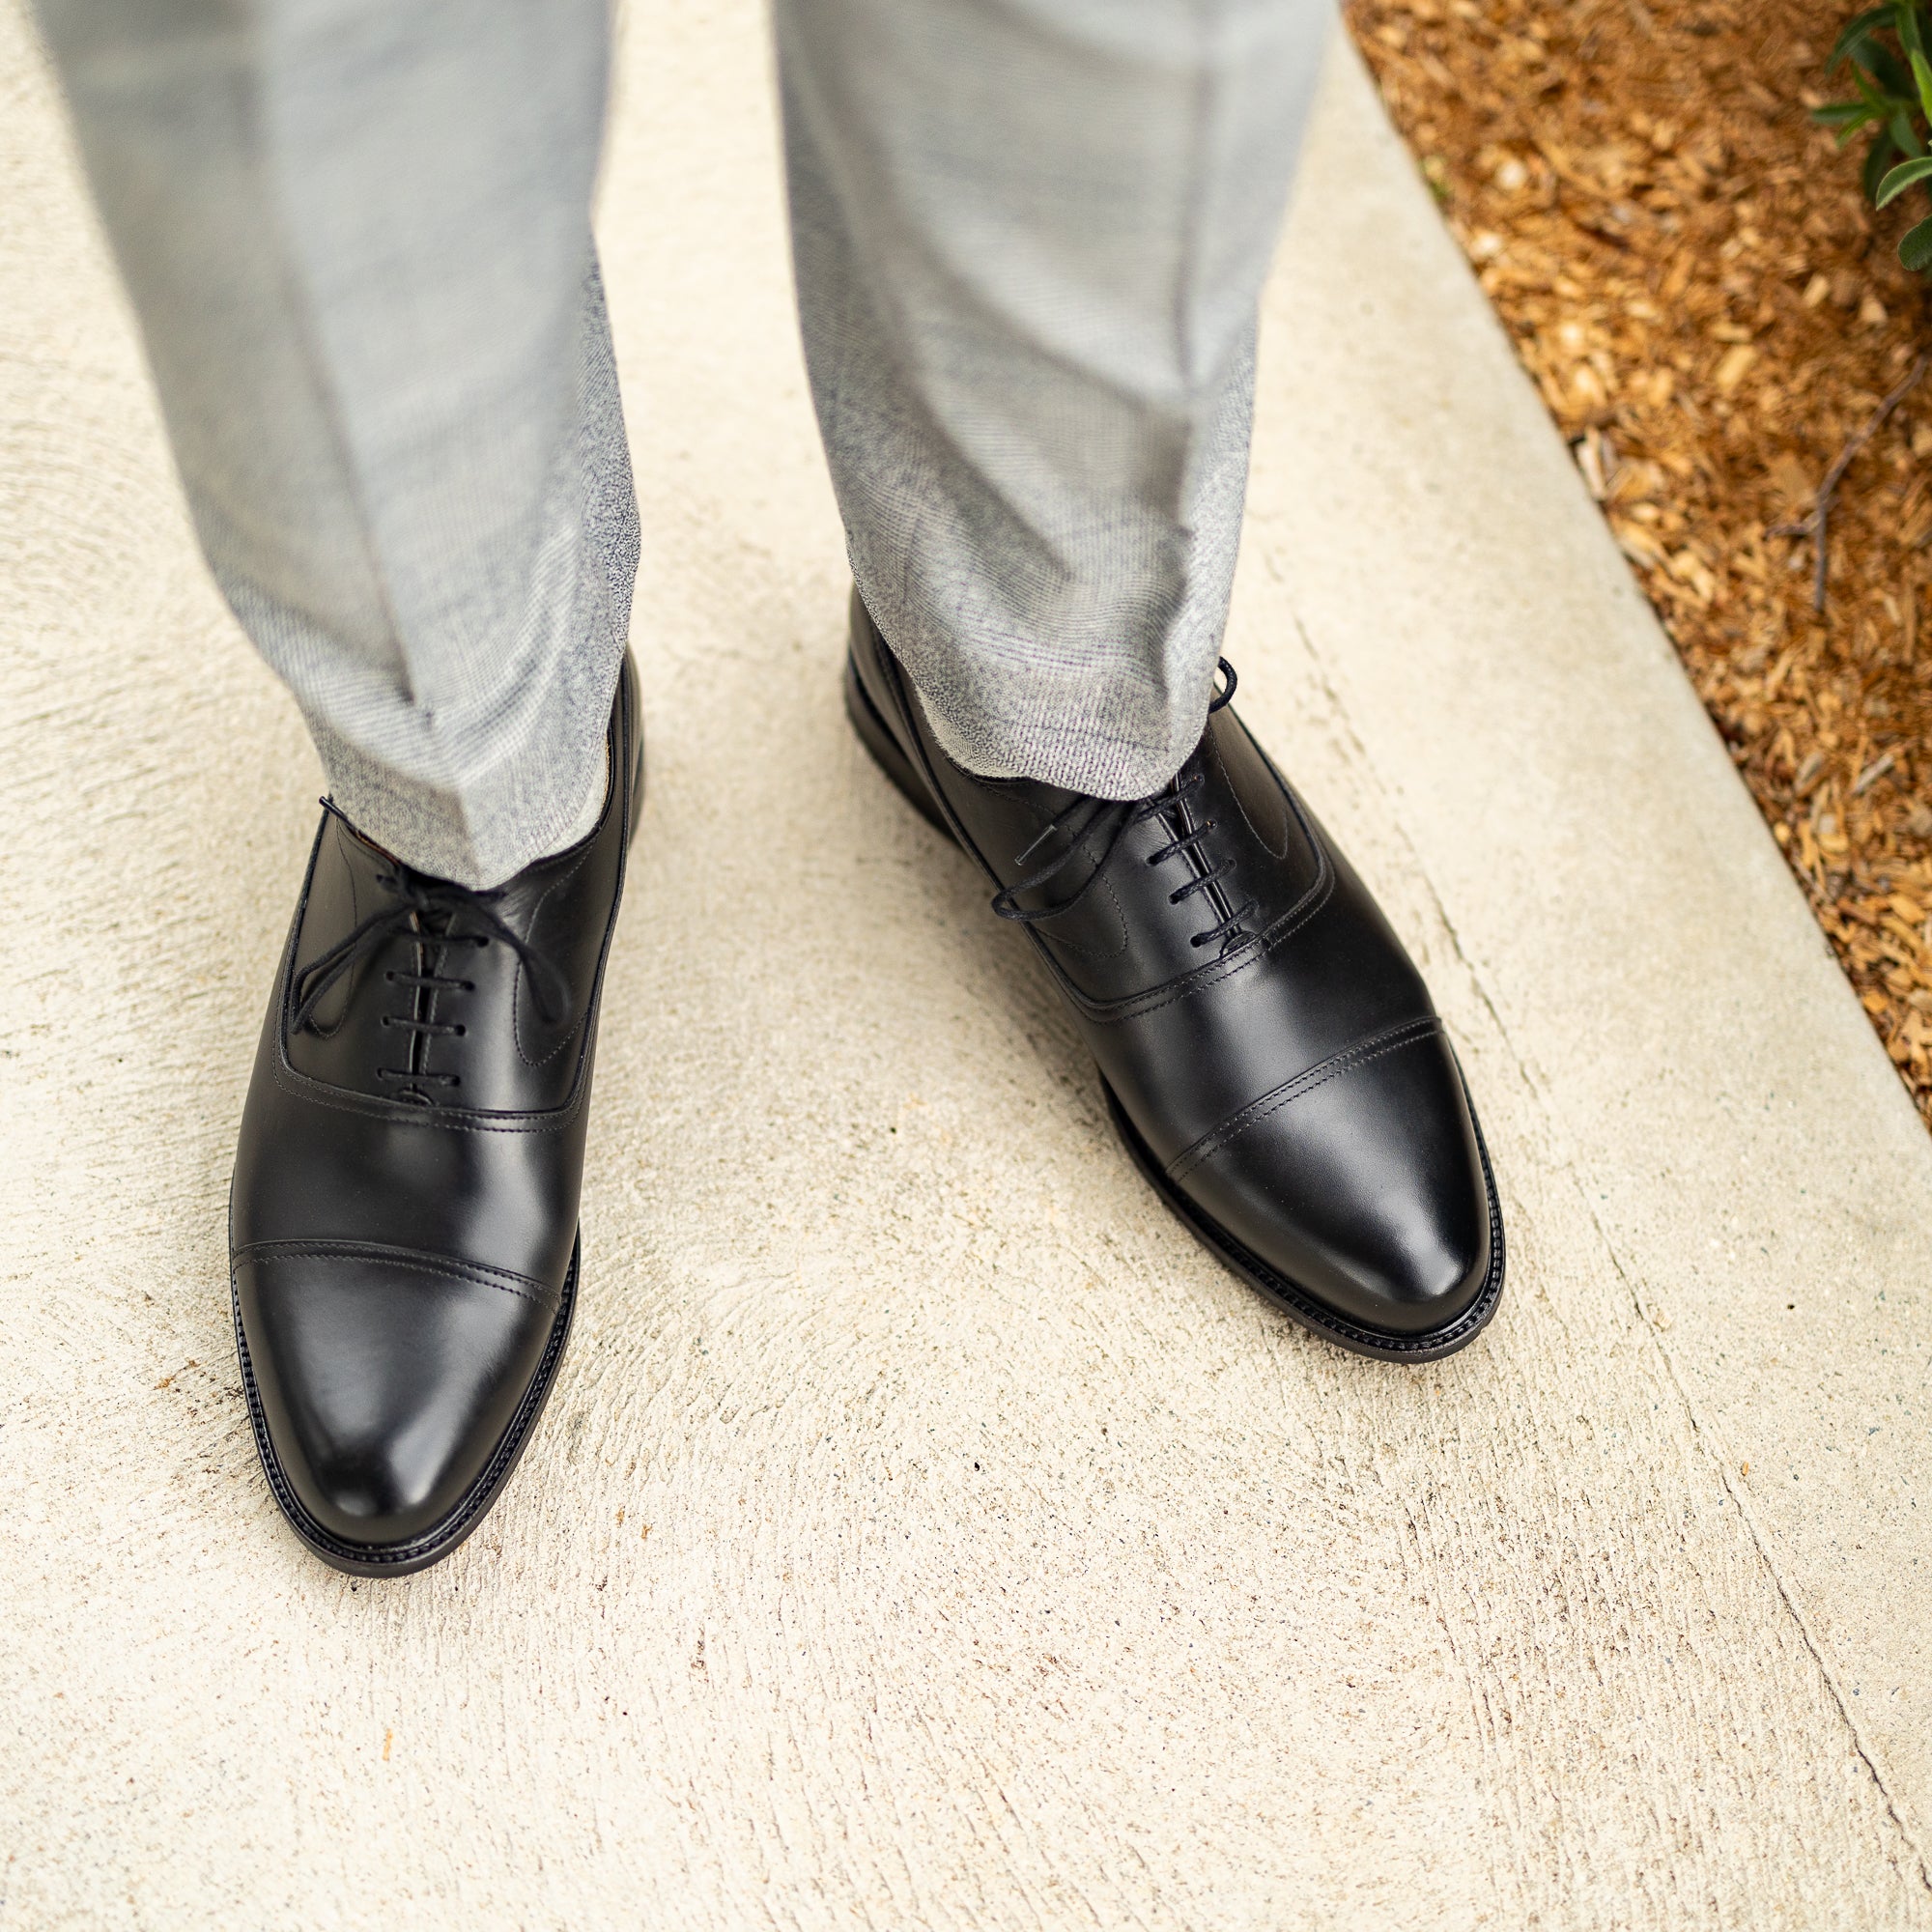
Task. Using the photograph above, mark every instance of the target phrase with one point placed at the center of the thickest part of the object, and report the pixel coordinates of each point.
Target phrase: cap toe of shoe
(1368, 1193)
(386, 1382)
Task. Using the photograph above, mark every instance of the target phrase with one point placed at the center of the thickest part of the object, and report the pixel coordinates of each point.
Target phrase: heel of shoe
(875, 735)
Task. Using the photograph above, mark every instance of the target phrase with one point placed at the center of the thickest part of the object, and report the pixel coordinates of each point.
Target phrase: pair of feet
(403, 1226)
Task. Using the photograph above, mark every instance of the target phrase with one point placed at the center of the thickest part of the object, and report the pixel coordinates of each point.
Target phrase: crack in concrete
(1571, 1167)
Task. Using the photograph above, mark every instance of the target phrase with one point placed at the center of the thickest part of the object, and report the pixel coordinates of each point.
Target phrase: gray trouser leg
(356, 234)
(1030, 236)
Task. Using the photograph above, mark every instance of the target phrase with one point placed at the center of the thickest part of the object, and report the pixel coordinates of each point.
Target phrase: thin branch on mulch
(1813, 525)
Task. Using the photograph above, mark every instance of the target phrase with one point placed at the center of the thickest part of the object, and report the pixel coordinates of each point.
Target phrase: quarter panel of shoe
(385, 1386)
(512, 1055)
(346, 1040)
(1367, 1191)
(1256, 789)
(1128, 934)
(1367, 982)
(507, 1056)
(562, 921)
(1137, 897)
(1005, 816)
(1277, 871)
(353, 1035)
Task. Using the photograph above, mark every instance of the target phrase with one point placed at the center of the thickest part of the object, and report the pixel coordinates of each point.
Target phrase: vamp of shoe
(403, 1226)
(1269, 1054)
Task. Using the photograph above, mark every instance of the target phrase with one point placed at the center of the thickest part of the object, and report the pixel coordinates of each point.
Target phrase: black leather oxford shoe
(402, 1223)
(1270, 1057)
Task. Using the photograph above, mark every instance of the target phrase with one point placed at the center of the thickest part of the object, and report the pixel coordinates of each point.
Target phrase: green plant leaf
(1916, 250)
(1901, 177)
(1886, 68)
(1855, 31)
(1888, 107)
(1921, 78)
(1877, 157)
(1909, 31)
(1895, 101)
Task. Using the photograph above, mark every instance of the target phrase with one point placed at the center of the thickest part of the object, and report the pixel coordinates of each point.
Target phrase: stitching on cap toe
(1409, 1033)
(480, 1273)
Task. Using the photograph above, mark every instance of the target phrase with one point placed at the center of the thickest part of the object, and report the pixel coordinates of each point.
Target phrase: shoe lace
(427, 910)
(1112, 819)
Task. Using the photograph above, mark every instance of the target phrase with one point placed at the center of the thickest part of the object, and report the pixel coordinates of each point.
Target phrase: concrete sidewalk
(924, 1532)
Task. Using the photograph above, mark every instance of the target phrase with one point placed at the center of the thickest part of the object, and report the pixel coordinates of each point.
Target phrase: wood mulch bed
(1715, 318)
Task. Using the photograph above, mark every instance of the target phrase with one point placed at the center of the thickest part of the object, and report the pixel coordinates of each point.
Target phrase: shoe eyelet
(461, 1030)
